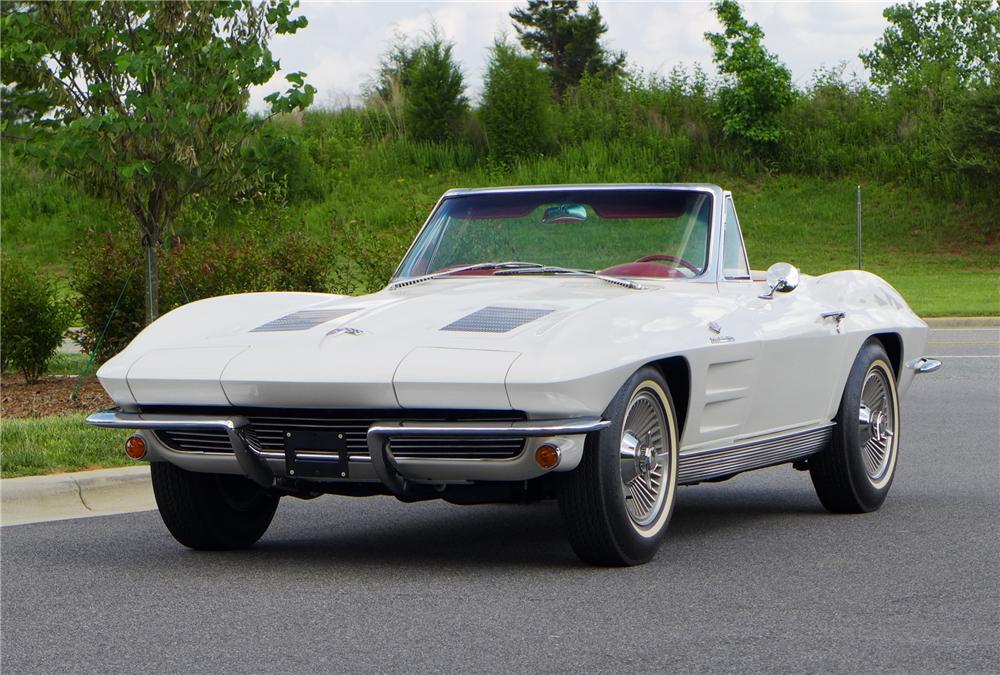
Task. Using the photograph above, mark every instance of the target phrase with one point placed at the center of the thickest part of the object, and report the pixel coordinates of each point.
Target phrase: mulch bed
(50, 396)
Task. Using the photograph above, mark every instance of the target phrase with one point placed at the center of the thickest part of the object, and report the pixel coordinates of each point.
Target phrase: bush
(517, 108)
(110, 269)
(32, 322)
(282, 156)
(434, 101)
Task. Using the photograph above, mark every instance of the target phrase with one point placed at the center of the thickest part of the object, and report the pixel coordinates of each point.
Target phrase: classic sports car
(596, 344)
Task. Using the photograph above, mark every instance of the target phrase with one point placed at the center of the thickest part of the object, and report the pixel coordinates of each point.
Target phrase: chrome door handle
(835, 314)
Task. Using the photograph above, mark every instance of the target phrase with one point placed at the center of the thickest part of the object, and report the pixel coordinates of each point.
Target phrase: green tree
(434, 100)
(143, 103)
(925, 41)
(566, 41)
(516, 109)
(758, 86)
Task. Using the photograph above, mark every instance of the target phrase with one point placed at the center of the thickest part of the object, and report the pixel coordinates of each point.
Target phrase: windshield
(639, 232)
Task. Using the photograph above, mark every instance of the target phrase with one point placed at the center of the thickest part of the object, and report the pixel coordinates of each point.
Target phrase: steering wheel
(659, 257)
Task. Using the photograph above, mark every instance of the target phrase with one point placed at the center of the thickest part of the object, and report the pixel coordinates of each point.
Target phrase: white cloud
(341, 46)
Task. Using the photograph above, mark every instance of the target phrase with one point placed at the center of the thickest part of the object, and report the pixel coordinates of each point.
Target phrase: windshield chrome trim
(710, 274)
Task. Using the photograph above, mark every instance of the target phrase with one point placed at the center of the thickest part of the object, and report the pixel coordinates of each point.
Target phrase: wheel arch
(677, 372)
(893, 345)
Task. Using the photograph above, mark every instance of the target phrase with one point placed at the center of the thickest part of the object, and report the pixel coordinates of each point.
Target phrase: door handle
(837, 314)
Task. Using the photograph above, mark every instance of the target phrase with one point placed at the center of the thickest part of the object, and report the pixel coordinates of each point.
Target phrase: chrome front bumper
(397, 474)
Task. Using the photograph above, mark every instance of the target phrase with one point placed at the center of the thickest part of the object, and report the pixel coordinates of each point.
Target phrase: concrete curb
(75, 495)
(963, 322)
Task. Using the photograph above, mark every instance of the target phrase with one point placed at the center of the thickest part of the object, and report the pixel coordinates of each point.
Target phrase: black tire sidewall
(848, 444)
(633, 546)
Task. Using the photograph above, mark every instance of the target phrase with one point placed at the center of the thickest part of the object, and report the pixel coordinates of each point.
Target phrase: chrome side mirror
(781, 278)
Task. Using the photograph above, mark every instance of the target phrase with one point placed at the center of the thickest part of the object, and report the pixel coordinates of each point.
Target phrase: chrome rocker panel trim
(693, 467)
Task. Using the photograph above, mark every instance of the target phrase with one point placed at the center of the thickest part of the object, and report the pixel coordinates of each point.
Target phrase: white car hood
(410, 347)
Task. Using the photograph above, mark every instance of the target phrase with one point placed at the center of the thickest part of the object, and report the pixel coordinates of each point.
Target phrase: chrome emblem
(346, 330)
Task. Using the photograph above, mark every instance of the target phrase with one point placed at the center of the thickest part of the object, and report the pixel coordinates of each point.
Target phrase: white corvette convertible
(596, 344)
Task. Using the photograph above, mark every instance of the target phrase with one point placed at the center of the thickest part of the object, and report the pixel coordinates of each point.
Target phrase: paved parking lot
(755, 575)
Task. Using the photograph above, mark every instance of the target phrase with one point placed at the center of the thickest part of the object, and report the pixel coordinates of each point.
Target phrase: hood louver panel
(304, 319)
(497, 319)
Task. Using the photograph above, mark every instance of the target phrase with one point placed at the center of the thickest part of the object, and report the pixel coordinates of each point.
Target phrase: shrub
(32, 322)
(255, 261)
(434, 103)
(517, 107)
(282, 155)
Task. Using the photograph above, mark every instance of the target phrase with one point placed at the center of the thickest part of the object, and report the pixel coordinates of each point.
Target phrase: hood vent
(304, 319)
(497, 319)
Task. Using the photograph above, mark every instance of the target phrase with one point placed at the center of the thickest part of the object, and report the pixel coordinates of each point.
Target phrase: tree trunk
(150, 243)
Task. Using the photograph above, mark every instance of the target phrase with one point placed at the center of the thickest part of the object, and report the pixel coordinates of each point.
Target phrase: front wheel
(616, 505)
(854, 473)
(211, 512)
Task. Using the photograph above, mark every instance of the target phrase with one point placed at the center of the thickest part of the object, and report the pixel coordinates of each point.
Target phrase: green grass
(941, 253)
(70, 364)
(57, 444)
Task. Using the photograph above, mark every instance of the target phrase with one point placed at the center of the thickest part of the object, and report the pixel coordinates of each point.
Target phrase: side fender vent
(496, 319)
(304, 319)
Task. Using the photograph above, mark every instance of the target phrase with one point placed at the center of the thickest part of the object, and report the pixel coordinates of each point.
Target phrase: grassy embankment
(941, 255)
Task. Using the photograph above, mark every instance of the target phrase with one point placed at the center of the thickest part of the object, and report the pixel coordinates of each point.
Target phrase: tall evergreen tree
(434, 98)
(566, 41)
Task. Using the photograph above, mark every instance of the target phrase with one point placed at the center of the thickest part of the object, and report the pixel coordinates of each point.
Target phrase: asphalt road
(754, 576)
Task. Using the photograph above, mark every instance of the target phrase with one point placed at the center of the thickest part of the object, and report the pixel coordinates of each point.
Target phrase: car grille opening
(267, 430)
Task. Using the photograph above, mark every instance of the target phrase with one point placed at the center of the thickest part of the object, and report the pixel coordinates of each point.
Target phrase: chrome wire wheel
(646, 457)
(878, 423)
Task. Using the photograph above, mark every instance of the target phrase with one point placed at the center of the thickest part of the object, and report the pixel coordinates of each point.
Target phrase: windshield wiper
(512, 265)
(548, 269)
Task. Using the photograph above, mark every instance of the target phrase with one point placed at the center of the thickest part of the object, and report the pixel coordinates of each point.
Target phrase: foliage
(517, 110)
(143, 103)
(925, 40)
(106, 278)
(276, 156)
(758, 86)
(32, 322)
(975, 129)
(435, 101)
(566, 41)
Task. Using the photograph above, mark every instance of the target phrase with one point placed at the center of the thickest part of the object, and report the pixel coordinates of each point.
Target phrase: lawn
(58, 444)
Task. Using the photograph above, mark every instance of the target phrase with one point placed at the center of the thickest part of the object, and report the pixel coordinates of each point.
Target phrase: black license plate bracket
(316, 454)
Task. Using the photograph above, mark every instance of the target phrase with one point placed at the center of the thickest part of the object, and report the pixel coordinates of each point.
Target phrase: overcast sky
(341, 46)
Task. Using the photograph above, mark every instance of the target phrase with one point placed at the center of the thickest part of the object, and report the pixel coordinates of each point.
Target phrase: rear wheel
(213, 512)
(854, 473)
(618, 502)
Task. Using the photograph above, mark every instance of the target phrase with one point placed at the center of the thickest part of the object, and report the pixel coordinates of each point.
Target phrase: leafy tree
(144, 103)
(567, 41)
(926, 40)
(758, 86)
(435, 100)
(516, 109)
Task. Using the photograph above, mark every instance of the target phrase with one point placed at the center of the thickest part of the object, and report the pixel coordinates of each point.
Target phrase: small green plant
(33, 320)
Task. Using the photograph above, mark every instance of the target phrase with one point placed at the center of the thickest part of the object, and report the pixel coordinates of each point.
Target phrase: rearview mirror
(781, 278)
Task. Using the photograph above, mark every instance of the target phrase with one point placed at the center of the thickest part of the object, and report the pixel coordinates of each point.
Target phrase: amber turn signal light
(135, 447)
(547, 456)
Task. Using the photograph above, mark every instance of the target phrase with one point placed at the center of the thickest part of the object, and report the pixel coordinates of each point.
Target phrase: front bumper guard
(255, 467)
(251, 465)
(380, 432)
